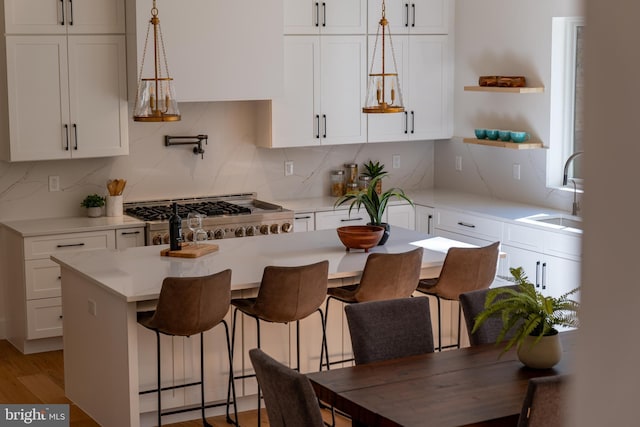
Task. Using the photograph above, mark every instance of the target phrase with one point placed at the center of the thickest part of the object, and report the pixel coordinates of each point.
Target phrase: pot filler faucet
(565, 179)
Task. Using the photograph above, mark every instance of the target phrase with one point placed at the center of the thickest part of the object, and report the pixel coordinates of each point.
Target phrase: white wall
(231, 164)
(608, 349)
(502, 37)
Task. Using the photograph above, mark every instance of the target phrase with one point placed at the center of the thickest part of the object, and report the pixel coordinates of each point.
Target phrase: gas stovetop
(207, 208)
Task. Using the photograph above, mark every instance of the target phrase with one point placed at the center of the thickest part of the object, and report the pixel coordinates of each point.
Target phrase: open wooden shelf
(537, 89)
(502, 144)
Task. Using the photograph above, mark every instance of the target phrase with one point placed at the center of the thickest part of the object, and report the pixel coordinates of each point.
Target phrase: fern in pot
(530, 318)
(375, 204)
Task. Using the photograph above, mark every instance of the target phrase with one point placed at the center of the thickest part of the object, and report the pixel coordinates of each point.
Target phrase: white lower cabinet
(130, 237)
(401, 216)
(326, 220)
(304, 221)
(424, 218)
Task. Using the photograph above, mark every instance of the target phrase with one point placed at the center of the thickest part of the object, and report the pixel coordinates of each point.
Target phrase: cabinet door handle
(317, 14)
(429, 220)
(66, 131)
(324, 14)
(406, 14)
(406, 122)
(324, 127)
(71, 245)
(71, 12)
(413, 13)
(62, 10)
(128, 233)
(413, 122)
(544, 275)
(466, 224)
(302, 217)
(75, 132)
(537, 274)
(351, 219)
(317, 126)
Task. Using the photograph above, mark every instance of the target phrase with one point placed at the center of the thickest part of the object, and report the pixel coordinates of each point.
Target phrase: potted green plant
(531, 317)
(374, 170)
(375, 204)
(94, 204)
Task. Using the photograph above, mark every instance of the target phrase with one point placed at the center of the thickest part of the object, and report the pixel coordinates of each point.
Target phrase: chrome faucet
(565, 180)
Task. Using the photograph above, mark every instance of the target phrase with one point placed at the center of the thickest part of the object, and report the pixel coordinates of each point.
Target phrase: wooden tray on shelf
(190, 251)
(504, 144)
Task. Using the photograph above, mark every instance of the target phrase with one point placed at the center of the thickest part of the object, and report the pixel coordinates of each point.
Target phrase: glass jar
(352, 172)
(364, 182)
(337, 183)
(352, 188)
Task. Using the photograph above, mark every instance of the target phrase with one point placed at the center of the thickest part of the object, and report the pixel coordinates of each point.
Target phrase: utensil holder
(114, 205)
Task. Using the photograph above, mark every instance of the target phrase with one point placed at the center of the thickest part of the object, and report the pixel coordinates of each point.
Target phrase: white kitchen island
(108, 357)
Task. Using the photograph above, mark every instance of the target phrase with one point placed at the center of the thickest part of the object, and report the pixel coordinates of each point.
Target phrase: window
(567, 95)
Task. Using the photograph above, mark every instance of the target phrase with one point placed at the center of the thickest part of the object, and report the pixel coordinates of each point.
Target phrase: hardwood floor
(39, 378)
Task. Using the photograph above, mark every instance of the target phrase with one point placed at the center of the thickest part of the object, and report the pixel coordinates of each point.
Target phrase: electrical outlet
(516, 171)
(91, 307)
(54, 183)
(458, 163)
(396, 161)
(288, 168)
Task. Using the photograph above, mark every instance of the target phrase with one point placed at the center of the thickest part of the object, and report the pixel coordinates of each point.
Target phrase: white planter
(544, 354)
(94, 212)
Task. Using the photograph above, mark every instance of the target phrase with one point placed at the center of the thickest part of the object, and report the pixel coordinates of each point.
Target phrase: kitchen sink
(561, 220)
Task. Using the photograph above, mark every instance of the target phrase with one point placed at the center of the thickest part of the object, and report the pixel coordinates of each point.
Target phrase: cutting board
(189, 251)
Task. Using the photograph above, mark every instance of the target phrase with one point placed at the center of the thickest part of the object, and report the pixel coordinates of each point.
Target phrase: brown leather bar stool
(385, 276)
(286, 294)
(464, 270)
(189, 306)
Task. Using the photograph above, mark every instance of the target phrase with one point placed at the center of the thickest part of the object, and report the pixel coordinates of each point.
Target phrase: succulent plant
(93, 201)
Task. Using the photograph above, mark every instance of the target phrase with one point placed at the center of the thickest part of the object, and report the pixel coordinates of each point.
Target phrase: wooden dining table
(472, 386)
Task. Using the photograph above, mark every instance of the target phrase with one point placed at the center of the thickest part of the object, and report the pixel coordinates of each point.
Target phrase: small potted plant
(532, 318)
(374, 203)
(374, 170)
(94, 204)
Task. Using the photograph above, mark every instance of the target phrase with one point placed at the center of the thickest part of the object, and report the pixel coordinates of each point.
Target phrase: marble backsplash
(232, 163)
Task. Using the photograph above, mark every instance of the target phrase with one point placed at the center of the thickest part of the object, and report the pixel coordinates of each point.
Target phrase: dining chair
(472, 304)
(286, 294)
(288, 394)
(389, 329)
(545, 402)
(385, 276)
(463, 270)
(188, 306)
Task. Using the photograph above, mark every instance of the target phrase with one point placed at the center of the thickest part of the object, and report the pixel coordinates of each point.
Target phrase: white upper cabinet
(425, 70)
(411, 17)
(217, 50)
(64, 16)
(323, 92)
(325, 17)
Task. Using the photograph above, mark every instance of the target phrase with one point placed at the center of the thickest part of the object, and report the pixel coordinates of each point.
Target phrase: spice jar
(364, 182)
(352, 188)
(352, 172)
(337, 183)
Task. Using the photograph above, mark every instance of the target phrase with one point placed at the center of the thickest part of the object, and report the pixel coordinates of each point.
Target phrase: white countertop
(47, 226)
(136, 274)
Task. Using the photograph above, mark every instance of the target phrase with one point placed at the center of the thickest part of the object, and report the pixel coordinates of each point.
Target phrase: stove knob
(286, 227)
(250, 230)
(264, 229)
(218, 234)
(157, 239)
(275, 229)
(210, 235)
(165, 239)
(240, 232)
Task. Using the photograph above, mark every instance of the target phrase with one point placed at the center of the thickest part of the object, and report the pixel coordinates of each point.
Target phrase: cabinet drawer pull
(71, 245)
(466, 224)
(429, 226)
(71, 12)
(60, 317)
(62, 9)
(59, 277)
(351, 219)
(303, 217)
(127, 233)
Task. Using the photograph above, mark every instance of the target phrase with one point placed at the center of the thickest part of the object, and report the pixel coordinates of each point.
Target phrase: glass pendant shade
(156, 96)
(383, 84)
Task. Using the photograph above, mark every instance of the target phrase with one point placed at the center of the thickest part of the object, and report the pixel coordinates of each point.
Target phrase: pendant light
(383, 89)
(156, 97)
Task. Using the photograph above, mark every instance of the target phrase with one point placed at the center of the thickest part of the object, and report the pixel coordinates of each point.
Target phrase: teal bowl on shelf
(519, 136)
(504, 135)
(492, 134)
(481, 133)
